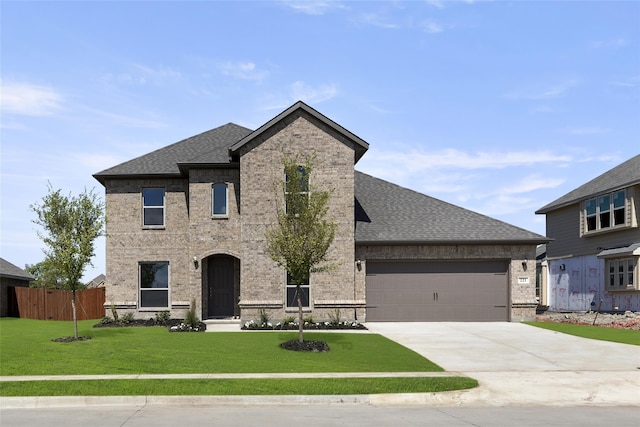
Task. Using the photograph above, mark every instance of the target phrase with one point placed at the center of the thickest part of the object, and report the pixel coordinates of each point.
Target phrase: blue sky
(499, 107)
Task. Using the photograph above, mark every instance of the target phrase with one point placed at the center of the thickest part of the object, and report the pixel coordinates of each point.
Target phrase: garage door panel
(437, 291)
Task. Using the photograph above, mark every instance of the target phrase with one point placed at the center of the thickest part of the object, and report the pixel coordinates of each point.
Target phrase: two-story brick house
(188, 222)
(595, 251)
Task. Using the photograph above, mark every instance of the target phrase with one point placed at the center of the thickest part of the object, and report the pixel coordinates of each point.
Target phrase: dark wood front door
(221, 279)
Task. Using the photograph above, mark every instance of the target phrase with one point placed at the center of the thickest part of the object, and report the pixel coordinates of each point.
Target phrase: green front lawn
(26, 349)
(625, 336)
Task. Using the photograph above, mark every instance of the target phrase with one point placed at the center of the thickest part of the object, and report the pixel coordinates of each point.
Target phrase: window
(219, 199)
(605, 211)
(154, 284)
(622, 274)
(153, 207)
(297, 191)
(292, 293)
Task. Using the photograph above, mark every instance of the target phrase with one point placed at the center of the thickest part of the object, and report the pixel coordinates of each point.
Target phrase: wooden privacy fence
(50, 304)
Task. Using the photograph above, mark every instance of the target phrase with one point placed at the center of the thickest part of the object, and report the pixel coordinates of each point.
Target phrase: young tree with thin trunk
(300, 240)
(70, 226)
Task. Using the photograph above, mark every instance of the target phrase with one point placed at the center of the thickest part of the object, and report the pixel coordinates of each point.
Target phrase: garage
(444, 291)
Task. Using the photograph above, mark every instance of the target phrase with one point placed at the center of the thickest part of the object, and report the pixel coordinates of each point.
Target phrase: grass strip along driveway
(27, 349)
(603, 333)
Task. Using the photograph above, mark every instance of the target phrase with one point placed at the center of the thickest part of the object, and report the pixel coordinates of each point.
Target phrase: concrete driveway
(518, 364)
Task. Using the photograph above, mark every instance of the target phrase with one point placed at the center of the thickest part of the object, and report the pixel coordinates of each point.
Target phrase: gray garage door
(432, 291)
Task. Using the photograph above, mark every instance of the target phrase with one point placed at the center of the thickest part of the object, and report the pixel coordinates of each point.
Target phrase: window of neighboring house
(606, 211)
(292, 293)
(154, 284)
(622, 274)
(153, 203)
(297, 193)
(219, 199)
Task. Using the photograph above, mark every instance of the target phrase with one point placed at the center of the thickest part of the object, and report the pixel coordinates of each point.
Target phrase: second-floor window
(153, 204)
(219, 199)
(297, 190)
(606, 211)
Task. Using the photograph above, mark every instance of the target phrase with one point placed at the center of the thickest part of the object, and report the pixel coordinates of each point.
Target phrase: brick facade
(197, 243)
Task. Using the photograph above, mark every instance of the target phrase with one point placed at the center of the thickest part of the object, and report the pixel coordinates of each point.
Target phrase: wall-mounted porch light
(195, 262)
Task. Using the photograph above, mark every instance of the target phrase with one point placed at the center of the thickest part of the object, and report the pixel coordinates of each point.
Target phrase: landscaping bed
(173, 325)
(293, 326)
(627, 320)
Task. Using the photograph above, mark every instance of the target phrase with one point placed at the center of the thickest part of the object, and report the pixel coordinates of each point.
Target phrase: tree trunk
(300, 323)
(73, 309)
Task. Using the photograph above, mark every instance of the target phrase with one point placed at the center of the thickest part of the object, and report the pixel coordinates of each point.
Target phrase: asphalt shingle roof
(9, 270)
(388, 213)
(210, 147)
(623, 175)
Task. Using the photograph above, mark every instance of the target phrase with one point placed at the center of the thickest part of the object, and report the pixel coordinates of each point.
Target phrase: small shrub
(191, 318)
(264, 317)
(308, 319)
(289, 320)
(334, 318)
(106, 320)
(163, 317)
(128, 317)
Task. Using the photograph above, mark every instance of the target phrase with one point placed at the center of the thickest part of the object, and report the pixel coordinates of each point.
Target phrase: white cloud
(529, 184)
(451, 158)
(549, 92)
(28, 99)
(243, 71)
(435, 3)
(628, 82)
(609, 44)
(143, 75)
(301, 91)
(128, 120)
(97, 162)
(313, 7)
(586, 130)
(432, 27)
(376, 20)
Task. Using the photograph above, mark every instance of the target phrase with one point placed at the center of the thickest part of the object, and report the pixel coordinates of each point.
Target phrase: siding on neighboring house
(563, 225)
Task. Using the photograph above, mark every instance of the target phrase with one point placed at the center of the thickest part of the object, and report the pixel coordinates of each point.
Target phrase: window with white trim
(292, 293)
(154, 284)
(622, 274)
(219, 197)
(153, 204)
(605, 212)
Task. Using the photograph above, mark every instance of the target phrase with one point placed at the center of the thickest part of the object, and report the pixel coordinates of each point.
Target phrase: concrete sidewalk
(515, 364)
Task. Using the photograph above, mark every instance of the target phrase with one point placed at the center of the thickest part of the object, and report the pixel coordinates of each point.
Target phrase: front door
(221, 280)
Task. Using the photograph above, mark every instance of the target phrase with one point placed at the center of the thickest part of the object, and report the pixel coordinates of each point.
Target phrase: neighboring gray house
(596, 247)
(187, 222)
(10, 275)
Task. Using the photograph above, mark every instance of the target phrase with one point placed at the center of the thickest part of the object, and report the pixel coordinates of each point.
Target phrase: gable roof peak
(360, 145)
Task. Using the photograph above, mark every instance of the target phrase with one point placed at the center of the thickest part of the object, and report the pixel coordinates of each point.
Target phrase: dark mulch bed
(314, 346)
(70, 339)
(307, 326)
(172, 324)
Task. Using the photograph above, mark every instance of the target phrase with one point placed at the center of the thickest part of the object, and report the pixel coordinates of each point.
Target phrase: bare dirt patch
(626, 320)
